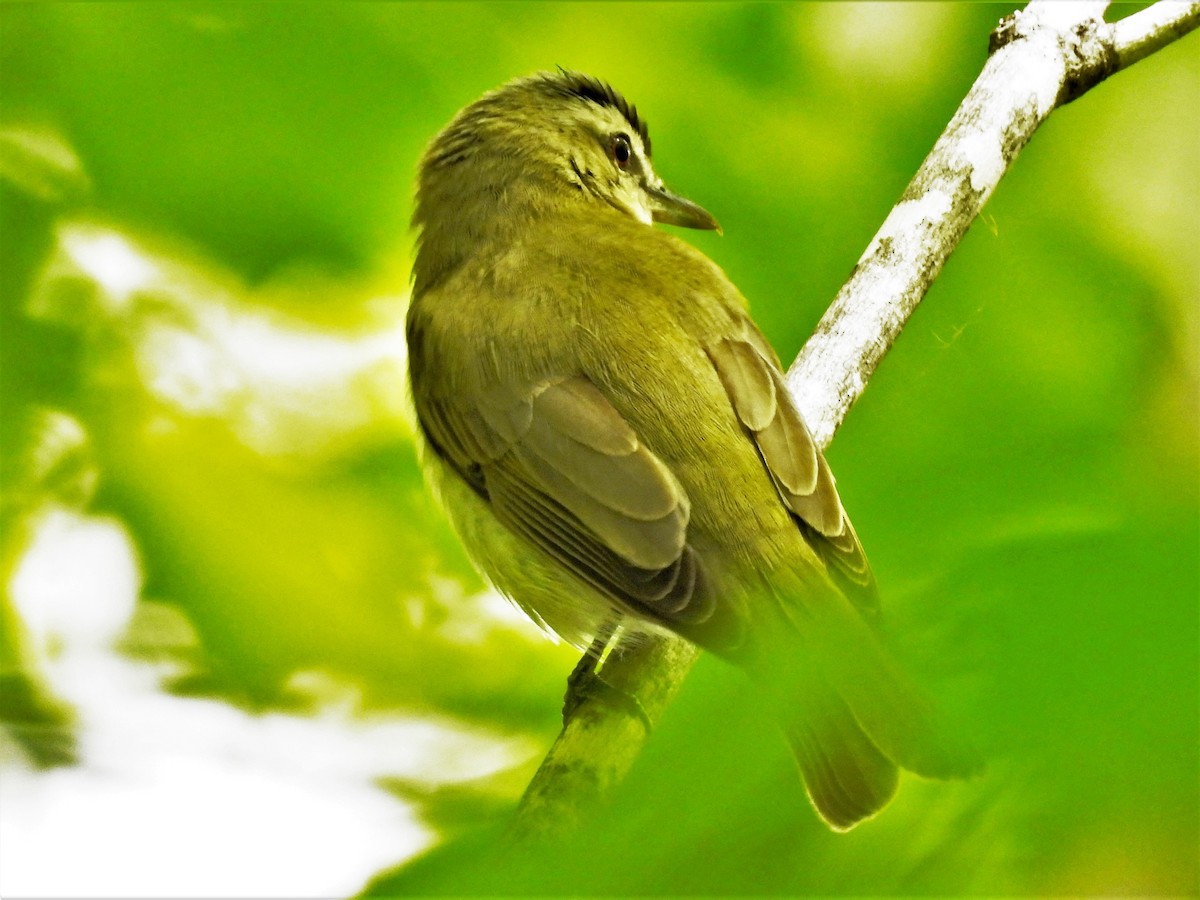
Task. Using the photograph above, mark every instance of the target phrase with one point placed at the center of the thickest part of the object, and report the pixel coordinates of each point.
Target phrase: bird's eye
(622, 150)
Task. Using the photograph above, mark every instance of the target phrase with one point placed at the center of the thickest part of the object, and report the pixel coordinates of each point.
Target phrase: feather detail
(760, 399)
(563, 468)
(846, 776)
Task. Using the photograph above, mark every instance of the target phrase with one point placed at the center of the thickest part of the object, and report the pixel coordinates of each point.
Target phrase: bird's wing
(864, 710)
(563, 469)
(754, 382)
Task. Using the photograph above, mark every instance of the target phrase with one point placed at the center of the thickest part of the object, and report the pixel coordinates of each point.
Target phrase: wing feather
(760, 399)
(634, 484)
(562, 468)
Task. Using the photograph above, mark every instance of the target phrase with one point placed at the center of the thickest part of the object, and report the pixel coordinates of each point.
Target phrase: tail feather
(839, 644)
(890, 708)
(847, 778)
(850, 712)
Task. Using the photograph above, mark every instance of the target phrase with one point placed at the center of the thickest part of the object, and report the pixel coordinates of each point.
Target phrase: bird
(613, 439)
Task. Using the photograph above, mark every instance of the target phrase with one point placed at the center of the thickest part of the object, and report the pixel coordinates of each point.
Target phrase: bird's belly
(544, 590)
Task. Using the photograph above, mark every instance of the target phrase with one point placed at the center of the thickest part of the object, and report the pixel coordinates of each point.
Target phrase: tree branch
(1040, 58)
(1141, 34)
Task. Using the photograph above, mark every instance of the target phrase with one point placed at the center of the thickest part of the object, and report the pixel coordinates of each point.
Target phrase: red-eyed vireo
(613, 438)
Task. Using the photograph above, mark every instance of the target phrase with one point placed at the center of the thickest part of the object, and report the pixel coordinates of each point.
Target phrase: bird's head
(541, 143)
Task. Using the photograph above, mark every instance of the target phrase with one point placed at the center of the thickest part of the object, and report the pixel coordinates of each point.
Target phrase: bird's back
(635, 311)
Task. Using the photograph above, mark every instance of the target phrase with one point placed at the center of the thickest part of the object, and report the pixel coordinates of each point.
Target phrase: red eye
(621, 150)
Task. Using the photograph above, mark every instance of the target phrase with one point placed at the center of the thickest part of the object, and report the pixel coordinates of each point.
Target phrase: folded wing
(562, 468)
(756, 389)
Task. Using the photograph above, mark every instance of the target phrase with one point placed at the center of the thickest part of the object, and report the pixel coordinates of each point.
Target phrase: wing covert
(760, 399)
(562, 468)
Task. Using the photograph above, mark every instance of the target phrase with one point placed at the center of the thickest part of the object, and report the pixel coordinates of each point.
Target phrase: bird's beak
(671, 209)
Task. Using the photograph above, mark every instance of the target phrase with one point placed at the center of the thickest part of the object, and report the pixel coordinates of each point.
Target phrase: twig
(1040, 58)
(1141, 34)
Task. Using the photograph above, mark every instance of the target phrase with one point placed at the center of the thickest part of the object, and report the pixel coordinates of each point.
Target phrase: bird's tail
(851, 714)
(847, 777)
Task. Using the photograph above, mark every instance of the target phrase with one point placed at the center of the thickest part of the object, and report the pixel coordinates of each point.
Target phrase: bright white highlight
(192, 797)
(111, 261)
(187, 797)
(77, 582)
(284, 386)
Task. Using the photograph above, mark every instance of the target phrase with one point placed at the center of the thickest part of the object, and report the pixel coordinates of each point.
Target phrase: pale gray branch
(1139, 35)
(1041, 57)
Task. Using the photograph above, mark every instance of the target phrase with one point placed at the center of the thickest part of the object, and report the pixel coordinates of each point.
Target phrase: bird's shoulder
(578, 292)
(607, 261)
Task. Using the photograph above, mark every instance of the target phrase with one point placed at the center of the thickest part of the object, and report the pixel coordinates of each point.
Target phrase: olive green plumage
(612, 436)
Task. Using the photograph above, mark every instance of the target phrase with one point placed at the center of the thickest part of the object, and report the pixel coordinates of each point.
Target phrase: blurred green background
(204, 263)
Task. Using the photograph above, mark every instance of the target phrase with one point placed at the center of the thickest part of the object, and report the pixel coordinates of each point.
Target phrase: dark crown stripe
(585, 87)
